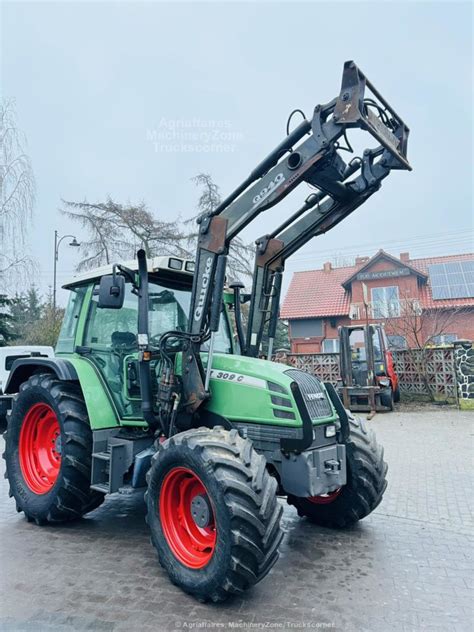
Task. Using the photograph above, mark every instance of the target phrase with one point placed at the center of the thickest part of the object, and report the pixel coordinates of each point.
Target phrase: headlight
(330, 431)
(384, 382)
(175, 264)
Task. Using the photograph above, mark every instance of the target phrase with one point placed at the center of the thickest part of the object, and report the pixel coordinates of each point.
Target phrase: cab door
(110, 337)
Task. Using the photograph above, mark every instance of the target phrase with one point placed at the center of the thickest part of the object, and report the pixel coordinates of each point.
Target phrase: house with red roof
(419, 301)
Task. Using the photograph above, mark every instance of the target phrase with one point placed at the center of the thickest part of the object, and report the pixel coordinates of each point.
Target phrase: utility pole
(57, 242)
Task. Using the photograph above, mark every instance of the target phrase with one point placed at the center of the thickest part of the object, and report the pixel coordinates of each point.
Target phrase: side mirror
(111, 291)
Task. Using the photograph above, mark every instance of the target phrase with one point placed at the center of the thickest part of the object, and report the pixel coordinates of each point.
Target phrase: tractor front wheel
(48, 451)
(366, 483)
(213, 512)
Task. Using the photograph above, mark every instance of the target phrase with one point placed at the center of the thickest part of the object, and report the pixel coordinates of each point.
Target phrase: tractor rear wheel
(213, 512)
(48, 451)
(366, 483)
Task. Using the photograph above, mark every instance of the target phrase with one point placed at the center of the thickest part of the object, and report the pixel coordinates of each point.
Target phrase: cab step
(119, 462)
(109, 467)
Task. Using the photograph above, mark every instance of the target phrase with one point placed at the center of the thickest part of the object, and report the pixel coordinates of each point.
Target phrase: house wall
(314, 344)
(407, 285)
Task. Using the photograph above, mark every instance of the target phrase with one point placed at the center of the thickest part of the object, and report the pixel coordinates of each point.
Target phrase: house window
(331, 345)
(397, 342)
(385, 302)
(444, 339)
(306, 328)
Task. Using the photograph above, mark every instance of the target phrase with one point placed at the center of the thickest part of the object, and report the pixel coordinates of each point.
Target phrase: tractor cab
(108, 336)
(369, 380)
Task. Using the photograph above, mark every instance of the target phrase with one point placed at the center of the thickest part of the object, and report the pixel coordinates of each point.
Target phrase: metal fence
(419, 371)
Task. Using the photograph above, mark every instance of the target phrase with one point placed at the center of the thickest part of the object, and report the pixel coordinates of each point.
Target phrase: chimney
(405, 257)
(327, 267)
(360, 260)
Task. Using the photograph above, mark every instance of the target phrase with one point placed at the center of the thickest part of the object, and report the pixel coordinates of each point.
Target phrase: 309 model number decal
(227, 376)
(239, 378)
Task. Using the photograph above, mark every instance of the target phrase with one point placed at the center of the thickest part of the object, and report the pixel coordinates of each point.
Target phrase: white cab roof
(154, 265)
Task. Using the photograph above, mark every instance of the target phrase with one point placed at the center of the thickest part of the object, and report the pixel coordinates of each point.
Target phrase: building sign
(383, 274)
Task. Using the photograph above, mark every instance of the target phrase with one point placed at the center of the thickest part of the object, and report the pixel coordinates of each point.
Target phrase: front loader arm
(318, 214)
(309, 154)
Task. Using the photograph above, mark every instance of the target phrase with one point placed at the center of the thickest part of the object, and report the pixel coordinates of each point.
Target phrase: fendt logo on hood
(311, 397)
(203, 291)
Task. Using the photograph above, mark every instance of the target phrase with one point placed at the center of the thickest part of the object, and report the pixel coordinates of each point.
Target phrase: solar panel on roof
(452, 280)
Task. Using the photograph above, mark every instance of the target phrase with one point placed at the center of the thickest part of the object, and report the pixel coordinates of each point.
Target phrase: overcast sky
(100, 86)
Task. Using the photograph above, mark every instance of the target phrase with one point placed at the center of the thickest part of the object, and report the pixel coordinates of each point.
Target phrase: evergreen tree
(7, 332)
(26, 310)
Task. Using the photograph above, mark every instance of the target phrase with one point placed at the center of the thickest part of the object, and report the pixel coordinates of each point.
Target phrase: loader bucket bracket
(361, 105)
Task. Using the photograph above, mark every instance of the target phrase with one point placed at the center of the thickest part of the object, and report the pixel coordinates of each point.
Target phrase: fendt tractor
(150, 388)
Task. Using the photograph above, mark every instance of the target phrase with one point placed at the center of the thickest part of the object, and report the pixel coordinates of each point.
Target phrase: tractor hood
(258, 391)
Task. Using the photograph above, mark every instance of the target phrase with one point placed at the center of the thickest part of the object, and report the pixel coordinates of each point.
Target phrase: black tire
(396, 395)
(70, 497)
(386, 398)
(366, 482)
(246, 511)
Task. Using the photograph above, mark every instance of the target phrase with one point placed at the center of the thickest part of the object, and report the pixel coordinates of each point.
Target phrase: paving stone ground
(406, 567)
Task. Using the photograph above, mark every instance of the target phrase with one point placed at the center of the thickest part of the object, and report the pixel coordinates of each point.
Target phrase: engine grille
(314, 395)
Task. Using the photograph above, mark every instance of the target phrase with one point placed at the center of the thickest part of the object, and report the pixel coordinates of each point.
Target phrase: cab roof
(176, 265)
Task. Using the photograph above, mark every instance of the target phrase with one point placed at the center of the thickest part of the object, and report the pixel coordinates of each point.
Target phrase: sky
(133, 99)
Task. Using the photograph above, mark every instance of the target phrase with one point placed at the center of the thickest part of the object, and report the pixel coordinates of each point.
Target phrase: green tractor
(155, 386)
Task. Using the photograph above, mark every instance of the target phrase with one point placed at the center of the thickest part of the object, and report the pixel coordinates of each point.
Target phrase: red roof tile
(316, 293)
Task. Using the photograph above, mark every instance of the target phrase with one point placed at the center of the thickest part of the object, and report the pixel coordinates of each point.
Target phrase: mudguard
(23, 368)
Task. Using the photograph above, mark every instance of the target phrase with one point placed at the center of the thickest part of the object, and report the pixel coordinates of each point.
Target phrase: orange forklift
(368, 378)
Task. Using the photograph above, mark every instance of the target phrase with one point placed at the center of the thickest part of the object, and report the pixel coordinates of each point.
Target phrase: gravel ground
(408, 566)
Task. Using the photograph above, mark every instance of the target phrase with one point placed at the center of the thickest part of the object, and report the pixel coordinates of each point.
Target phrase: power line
(414, 244)
(437, 238)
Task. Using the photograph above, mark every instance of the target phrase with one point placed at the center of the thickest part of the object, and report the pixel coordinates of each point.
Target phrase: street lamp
(57, 241)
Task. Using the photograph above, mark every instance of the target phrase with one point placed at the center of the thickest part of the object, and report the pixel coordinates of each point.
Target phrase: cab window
(67, 335)
(111, 336)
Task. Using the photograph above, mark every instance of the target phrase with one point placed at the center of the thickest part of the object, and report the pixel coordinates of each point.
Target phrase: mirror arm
(126, 272)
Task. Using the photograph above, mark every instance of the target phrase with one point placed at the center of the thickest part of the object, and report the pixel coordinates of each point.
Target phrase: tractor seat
(124, 340)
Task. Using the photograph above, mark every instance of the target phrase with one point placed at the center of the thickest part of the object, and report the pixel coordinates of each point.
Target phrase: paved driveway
(408, 566)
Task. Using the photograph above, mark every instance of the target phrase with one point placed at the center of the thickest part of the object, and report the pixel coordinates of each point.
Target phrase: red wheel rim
(191, 544)
(325, 499)
(40, 448)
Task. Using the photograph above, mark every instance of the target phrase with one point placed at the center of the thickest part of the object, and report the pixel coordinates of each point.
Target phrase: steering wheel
(173, 344)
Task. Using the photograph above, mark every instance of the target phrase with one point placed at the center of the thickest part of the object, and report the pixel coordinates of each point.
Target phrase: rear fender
(100, 408)
(24, 368)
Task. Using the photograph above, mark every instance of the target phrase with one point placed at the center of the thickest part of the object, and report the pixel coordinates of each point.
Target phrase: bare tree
(116, 231)
(17, 193)
(421, 328)
(241, 255)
